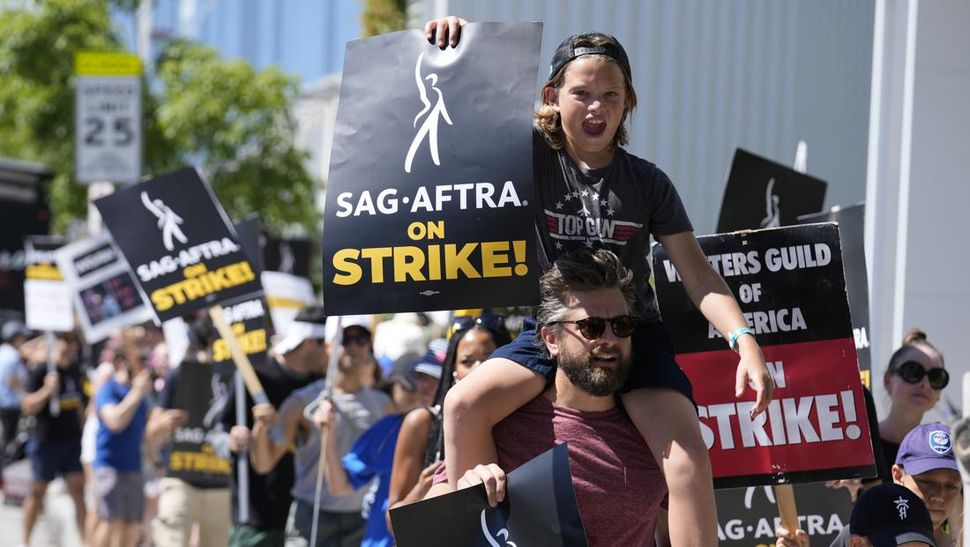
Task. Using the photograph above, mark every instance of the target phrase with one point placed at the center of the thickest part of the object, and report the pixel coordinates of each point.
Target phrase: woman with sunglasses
(914, 380)
(420, 445)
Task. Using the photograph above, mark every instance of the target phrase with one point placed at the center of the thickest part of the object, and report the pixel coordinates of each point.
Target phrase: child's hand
(446, 29)
(798, 538)
(752, 370)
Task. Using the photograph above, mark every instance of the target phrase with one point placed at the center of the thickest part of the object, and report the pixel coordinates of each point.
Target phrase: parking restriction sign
(108, 133)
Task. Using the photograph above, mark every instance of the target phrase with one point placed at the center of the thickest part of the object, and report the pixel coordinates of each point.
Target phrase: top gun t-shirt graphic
(616, 207)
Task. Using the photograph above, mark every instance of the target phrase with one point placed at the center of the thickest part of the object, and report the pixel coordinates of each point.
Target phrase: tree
(382, 16)
(225, 117)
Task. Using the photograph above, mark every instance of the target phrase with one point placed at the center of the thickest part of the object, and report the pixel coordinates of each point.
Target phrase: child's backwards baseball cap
(925, 448)
(578, 45)
(890, 515)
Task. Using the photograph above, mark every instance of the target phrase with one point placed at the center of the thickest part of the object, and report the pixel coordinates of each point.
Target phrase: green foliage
(382, 16)
(235, 122)
(230, 120)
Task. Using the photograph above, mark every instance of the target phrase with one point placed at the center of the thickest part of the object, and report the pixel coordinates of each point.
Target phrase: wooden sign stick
(239, 357)
(785, 498)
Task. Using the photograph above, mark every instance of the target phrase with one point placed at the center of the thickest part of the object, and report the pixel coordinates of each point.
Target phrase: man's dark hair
(582, 270)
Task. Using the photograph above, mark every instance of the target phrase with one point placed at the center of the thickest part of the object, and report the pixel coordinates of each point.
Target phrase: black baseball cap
(889, 515)
(578, 45)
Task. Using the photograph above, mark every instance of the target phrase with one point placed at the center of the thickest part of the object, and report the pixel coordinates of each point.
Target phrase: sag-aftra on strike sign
(791, 288)
(179, 244)
(430, 189)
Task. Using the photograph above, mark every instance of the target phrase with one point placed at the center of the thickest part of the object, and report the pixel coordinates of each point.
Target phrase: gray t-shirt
(616, 207)
(356, 412)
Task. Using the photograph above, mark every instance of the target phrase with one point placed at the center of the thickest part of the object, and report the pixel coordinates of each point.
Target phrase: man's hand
(324, 415)
(491, 476)
(239, 438)
(52, 383)
(446, 30)
(798, 538)
(171, 418)
(142, 383)
(264, 417)
(753, 370)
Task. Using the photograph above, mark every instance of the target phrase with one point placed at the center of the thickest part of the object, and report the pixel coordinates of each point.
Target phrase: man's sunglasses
(593, 327)
(912, 372)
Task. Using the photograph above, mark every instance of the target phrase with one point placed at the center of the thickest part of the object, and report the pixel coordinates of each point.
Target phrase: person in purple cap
(926, 465)
(591, 193)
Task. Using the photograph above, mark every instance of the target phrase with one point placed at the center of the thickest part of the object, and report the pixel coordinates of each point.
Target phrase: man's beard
(594, 380)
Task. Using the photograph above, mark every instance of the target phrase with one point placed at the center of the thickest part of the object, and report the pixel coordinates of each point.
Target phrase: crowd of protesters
(107, 424)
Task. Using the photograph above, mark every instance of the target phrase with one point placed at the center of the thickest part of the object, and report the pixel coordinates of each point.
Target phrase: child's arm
(676, 440)
(492, 391)
(712, 297)
(667, 421)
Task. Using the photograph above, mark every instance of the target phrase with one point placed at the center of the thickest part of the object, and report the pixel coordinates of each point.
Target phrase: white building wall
(936, 296)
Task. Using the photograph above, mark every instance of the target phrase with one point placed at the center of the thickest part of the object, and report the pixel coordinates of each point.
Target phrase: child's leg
(677, 445)
(492, 391)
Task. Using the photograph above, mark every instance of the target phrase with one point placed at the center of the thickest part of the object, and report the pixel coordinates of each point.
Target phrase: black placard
(177, 240)
(539, 509)
(791, 289)
(761, 193)
(199, 452)
(851, 222)
(430, 189)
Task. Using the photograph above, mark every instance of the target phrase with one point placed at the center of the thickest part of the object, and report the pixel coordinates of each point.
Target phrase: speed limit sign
(108, 137)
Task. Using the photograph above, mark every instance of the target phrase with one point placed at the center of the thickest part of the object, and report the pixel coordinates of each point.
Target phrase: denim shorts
(653, 358)
(53, 457)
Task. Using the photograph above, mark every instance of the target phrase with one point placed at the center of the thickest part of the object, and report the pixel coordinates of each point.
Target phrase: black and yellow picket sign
(178, 243)
(430, 190)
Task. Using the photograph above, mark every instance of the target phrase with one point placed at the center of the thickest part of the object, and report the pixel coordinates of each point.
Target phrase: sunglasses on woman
(912, 372)
(593, 327)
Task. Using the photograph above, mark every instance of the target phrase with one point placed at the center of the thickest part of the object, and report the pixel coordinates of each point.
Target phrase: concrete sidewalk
(55, 526)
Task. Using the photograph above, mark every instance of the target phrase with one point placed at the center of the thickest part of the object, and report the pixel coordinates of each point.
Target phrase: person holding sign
(585, 324)
(592, 193)
(55, 445)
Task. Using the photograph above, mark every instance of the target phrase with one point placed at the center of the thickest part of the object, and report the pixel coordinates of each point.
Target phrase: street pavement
(55, 526)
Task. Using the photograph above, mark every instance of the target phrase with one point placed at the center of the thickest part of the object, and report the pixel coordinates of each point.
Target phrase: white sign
(108, 132)
(47, 297)
(286, 295)
(103, 290)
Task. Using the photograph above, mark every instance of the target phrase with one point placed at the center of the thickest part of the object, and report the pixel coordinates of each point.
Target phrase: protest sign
(286, 295)
(200, 449)
(105, 295)
(249, 234)
(792, 292)
(178, 242)
(48, 304)
(108, 132)
(763, 194)
(539, 509)
(748, 517)
(288, 255)
(247, 319)
(430, 189)
(24, 212)
(851, 222)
